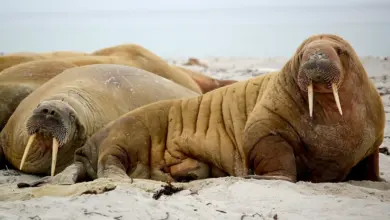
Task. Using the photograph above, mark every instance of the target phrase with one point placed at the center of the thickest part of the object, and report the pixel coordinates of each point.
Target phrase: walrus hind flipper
(37, 183)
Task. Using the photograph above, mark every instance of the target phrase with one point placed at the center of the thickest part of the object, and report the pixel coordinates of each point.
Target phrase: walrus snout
(55, 118)
(320, 69)
(319, 66)
(48, 111)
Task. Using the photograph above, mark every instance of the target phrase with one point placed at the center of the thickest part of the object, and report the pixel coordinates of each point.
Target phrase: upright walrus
(262, 126)
(66, 110)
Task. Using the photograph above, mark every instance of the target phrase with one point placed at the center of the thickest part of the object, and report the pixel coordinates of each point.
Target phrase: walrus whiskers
(336, 97)
(310, 97)
(29, 143)
(54, 156)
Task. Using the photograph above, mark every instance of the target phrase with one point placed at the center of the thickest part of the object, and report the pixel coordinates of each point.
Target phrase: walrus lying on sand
(133, 54)
(66, 110)
(193, 80)
(20, 80)
(319, 119)
(13, 59)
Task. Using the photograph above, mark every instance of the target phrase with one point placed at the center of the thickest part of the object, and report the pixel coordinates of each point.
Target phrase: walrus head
(54, 124)
(323, 62)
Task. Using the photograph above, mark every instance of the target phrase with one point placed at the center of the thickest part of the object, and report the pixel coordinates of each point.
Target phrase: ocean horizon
(267, 31)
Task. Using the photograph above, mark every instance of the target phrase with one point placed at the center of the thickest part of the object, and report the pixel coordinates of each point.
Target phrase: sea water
(237, 31)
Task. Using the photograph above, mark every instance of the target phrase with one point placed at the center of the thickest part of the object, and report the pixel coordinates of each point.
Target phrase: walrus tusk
(336, 97)
(310, 97)
(54, 156)
(29, 143)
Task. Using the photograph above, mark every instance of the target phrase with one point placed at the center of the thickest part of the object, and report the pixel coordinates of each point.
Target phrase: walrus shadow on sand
(319, 119)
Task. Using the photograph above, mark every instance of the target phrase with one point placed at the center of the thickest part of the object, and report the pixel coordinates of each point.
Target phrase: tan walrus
(18, 81)
(134, 55)
(13, 59)
(319, 119)
(193, 80)
(66, 110)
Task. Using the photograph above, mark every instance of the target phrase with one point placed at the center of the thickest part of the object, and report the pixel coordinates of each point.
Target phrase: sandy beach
(222, 198)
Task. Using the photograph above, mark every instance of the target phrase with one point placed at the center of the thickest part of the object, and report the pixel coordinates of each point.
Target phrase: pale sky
(109, 5)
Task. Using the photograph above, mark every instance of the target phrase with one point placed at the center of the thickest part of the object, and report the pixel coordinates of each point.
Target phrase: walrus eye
(339, 51)
(72, 117)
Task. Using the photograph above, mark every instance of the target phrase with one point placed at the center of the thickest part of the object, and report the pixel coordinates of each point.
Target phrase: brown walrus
(66, 110)
(12, 59)
(262, 125)
(20, 80)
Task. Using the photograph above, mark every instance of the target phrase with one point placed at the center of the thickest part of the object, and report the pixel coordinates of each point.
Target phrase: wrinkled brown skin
(20, 80)
(97, 94)
(13, 59)
(150, 62)
(207, 83)
(260, 126)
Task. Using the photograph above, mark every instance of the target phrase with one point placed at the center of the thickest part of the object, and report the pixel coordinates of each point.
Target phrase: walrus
(207, 83)
(60, 115)
(318, 119)
(12, 59)
(18, 81)
(148, 62)
(193, 80)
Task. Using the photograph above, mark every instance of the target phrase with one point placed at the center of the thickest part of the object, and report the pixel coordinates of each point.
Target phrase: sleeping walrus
(18, 81)
(66, 110)
(319, 119)
(13, 59)
(195, 81)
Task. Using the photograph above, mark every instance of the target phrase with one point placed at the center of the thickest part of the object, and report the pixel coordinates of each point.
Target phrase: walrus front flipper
(269, 155)
(71, 175)
(367, 169)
